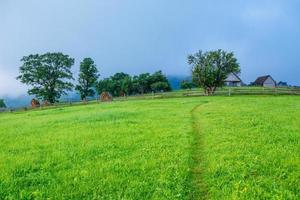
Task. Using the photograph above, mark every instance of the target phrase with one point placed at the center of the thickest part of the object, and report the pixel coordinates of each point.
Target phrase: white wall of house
(269, 82)
(232, 80)
(238, 84)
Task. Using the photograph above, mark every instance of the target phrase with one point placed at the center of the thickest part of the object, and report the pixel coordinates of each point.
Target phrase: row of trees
(49, 77)
(122, 84)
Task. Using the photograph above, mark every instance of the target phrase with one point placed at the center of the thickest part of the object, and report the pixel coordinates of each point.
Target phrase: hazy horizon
(145, 36)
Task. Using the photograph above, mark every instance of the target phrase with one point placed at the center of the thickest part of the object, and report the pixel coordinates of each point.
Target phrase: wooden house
(265, 81)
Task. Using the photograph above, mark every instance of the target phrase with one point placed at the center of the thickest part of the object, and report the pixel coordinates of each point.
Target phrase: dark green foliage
(48, 74)
(2, 104)
(122, 84)
(141, 83)
(105, 85)
(87, 78)
(159, 81)
(156, 82)
(186, 85)
(160, 87)
(119, 84)
(210, 69)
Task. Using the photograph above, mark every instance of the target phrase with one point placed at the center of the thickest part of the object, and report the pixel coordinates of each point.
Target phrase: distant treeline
(49, 77)
(122, 84)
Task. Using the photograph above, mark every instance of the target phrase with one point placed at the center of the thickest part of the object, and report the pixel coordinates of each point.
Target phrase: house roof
(281, 82)
(235, 75)
(260, 80)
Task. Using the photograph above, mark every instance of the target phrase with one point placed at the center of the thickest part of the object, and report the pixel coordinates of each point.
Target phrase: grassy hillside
(134, 149)
(250, 147)
(179, 148)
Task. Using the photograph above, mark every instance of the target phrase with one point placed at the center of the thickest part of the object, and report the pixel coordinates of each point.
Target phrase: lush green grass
(130, 150)
(250, 147)
(180, 148)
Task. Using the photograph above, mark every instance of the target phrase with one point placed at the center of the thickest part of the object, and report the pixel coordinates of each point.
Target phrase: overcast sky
(138, 36)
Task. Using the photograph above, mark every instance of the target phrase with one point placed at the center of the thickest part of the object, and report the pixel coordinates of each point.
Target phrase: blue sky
(138, 36)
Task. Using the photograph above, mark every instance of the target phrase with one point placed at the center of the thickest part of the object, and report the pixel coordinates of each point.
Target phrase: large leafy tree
(87, 78)
(159, 82)
(48, 75)
(122, 84)
(210, 69)
(2, 104)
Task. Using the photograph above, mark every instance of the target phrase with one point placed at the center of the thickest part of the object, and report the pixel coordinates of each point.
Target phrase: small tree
(126, 85)
(160, 82)
(87, 78)
(210, 69)
(47, 74)
(186, 85)
(2, 104)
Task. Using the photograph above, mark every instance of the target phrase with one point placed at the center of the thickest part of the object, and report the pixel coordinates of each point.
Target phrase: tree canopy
(87, 78)
(142, 83)
(210, 69)
(48, 75)
(121, 84)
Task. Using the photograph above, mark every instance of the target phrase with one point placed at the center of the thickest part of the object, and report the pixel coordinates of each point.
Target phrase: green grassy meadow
(241, 147)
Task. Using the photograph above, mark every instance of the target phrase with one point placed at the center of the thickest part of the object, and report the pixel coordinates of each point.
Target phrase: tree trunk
(210, 91)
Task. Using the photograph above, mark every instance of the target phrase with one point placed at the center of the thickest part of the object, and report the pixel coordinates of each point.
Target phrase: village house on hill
(265, 81)
(282, 84)
(233, 80)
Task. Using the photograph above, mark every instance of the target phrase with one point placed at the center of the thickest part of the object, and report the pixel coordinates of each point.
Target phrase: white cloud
(9, 86)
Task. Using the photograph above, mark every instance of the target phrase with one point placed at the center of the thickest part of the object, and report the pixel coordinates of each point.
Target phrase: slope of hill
(176, 148)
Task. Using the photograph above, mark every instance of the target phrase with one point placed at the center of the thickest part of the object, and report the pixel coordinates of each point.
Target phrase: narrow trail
(199, 188)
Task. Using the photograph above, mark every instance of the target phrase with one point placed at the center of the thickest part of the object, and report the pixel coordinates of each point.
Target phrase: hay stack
(35, 103)
(105, 97)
